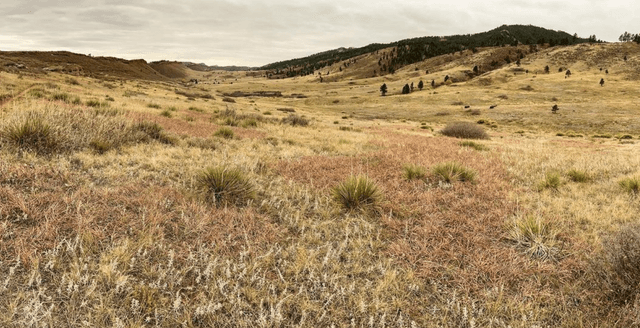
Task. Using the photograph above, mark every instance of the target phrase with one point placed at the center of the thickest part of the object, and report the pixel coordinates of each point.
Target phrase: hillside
(405, 52)
(79, 64)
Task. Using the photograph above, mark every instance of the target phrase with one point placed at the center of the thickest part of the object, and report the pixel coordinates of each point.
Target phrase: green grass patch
(474, 145)
(357, 193)
(225, 133)
(413, 172)
(220, 185)
(630, 185)
(578, 176)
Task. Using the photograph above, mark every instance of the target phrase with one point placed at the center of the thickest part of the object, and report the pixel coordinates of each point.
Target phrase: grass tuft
(578, 176)
(452, 171)
(357, 193)
(154, 131)
(619, 269)
(552, 181)
(474, 145)
(225, 133)
(412, 171)
(295, 120)
(631, 185)
(220, 185)
(535, 236)
(32, 133)
(464, 130)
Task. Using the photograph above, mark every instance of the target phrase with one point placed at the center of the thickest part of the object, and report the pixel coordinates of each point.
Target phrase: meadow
(127, 203)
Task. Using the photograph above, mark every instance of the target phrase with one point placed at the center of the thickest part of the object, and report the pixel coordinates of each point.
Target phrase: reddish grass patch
(41, 206)
(450, 236)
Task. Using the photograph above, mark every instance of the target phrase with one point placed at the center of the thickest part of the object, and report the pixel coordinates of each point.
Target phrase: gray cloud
(255, 32)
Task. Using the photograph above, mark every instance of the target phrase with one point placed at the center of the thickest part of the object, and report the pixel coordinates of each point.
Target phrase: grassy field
(143, 204)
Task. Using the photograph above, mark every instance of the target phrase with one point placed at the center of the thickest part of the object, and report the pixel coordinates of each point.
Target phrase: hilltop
(392, 56)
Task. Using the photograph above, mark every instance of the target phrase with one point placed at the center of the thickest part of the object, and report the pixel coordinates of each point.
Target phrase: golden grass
(120, 237)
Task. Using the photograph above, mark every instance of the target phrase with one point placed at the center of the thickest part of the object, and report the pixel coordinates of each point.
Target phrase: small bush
(230, 121)
(220, 185)
(196, 109)
(295, 120)
(224, 133)
(630, 185)
(357, 193)
(619, 269)
(266, 113)
(189, 119)
(172, 108)
(31, 134)
(578, 176)
(474, 145)
(166, 113)
(552, 180)
(108, 98)
(76, 101)
(464, 130)
(412, 171)
(452, 171)
(152, 105)
(229, 100)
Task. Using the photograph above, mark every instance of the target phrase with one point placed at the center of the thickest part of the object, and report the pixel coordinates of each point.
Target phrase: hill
(79, 64)
(405, 52)
(205, 68)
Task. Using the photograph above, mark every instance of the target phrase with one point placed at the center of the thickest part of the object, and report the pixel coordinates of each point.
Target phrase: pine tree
(420, 85)
(383, 89)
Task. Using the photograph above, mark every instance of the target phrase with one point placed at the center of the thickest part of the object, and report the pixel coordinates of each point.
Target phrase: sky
(255, 33)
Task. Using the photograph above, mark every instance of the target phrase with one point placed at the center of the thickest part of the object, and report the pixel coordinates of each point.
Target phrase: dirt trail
(22, 93)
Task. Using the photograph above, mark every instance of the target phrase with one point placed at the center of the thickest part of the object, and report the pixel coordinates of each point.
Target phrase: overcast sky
(254, 33)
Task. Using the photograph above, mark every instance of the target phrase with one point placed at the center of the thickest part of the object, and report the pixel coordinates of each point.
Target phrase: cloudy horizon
(255, 33)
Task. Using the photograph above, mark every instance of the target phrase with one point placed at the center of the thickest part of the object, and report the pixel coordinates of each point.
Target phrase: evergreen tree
(406, 89)
(383, 89)
(420, 85)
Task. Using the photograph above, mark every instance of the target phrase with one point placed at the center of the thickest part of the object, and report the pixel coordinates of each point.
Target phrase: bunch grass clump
(295, 120)
(414, 172)
(552, 181)
(536, 236)
(225, 133)
(152, 130)
(464, 130)
(631, 184)
(357, 193)
(32, 133)
(474, 145)
(221, 185)
(579, 176)
(452, 171)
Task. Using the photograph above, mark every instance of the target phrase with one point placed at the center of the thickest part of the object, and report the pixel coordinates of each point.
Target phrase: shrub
(224, 133)
(474, 145)
(552, 180)
(578, 176)
(152, 105)
(357, 193)
(230, 121)
(619, 269)
(76, 101)
(464, 130)
(452, 171)
(172, 108)
(412, 171)
(166, 113)
(535, 236)
(266, 113)
(220, 185)
(31, 134)
(631, 185)
(229, 100)
(295, 120)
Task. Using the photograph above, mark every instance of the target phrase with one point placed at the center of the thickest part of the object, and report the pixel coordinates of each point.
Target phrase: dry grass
(465, 130)
(110, 231)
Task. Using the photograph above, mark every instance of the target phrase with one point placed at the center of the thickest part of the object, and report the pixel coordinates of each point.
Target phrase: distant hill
(205, 68)
(409, 51)
(78, 64)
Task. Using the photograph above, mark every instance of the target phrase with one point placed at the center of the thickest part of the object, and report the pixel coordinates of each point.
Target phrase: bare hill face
(99, 67)
(174, 70)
